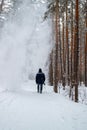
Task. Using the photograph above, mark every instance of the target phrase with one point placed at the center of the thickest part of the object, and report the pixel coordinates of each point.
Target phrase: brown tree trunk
(72, 51)
(64, 56)
(80, 58)
(60, 49)
(76, 49)
(51, 69)
(56, 51)
(86, 53)
(67, 45)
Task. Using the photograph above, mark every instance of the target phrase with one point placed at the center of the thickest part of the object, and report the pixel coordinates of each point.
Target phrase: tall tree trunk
(51, 65)
(67, 45)
(86, 53)
(60, 48)
(64, 56)
(72, 50)
(80, 58)
(56, 51)
(51, 69)
(76, 49)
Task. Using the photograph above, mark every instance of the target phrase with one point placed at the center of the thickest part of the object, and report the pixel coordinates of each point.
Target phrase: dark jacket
(40, 77)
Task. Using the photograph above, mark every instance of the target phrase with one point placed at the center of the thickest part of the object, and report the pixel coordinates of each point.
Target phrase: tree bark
(56, 51)
(76, 49)
(86, 53)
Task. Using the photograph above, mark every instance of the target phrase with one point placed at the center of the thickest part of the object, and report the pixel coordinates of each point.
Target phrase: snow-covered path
(25, 109)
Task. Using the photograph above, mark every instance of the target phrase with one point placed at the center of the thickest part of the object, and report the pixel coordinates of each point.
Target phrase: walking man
(40, 79)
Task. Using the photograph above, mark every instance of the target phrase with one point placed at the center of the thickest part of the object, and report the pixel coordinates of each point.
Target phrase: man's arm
(44, 78)
(36, 78)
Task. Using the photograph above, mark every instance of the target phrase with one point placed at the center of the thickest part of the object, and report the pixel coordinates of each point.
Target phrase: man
(40, 79)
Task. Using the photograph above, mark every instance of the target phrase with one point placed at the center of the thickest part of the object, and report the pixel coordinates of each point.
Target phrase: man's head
(40, 70)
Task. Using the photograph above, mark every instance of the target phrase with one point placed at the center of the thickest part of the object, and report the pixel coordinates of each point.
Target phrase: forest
(68, 58)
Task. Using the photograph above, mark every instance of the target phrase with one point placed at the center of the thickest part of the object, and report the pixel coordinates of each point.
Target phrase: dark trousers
(39, 88)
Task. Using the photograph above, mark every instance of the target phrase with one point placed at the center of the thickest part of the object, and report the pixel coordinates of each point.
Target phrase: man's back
(40, 78)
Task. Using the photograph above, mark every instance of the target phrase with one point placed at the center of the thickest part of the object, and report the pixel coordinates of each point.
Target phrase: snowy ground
(25, 109)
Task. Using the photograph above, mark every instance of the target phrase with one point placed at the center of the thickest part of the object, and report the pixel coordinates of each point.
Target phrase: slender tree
(64, 56)
(56, 50)
(76, 49)
(67, 44)
(86, 50)
(72, 50)
(51, 69)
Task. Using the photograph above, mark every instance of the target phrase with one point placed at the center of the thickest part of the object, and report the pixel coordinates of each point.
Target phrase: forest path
(26, 109)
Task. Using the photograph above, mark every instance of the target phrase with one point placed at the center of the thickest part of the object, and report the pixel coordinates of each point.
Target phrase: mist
(24, 45)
